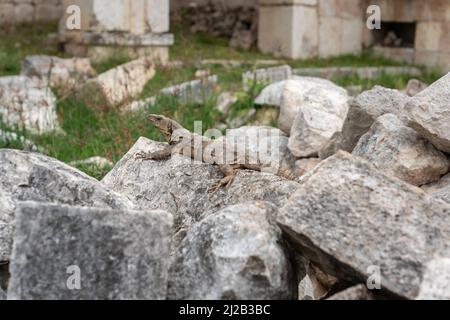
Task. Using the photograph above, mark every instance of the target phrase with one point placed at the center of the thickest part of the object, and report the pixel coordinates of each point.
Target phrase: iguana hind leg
(229, 173)
(157, 156)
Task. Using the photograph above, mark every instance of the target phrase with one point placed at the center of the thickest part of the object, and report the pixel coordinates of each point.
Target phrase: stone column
(134, 27)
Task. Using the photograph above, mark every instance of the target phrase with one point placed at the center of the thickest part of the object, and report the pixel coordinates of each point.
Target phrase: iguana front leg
(229, 172)
(163, 154)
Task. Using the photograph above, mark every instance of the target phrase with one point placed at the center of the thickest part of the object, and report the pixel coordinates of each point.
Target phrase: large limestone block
(116, 254)
(28, 176)
(428, 113)
(28, 104)
(292, 38)
(118, 85)
(399, 151)
(352, 221)
(235, 253)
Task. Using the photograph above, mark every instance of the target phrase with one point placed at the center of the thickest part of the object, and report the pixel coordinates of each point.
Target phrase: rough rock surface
(303, 92)
(358, 292)
(303, 166)
(118, 85)
(428, 113)
(399, 151)
(436, 280)
(271, 95)
(320, 113)
(347, 216)
(181, 186)
(362, 113)
(28, 104)
(33, 177)
(2, 294)
(439, 189)
(235, 253)
(265, 145)
(117, 254)
(58, 72)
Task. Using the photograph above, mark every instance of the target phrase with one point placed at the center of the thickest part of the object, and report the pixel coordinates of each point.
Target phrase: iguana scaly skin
(182, 141)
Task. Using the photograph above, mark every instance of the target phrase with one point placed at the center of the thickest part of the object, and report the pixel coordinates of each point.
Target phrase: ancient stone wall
(14, 12)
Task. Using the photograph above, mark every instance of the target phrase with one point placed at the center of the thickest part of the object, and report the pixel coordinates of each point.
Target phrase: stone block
(428, 36)
(330, 35)
(114, 254)
(352, 34)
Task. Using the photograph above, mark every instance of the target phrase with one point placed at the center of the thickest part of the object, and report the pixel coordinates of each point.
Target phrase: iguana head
(164, 125)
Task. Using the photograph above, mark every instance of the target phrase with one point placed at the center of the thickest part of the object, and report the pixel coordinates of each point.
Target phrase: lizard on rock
(200, 148)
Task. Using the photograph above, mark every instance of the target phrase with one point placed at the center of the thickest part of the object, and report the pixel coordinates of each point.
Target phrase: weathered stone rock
(358, 292)
(439, 189)
(266, 76)
(2, 295)
(266, 145)
(6, 226)
(362, 113)
(119, 84)
(436, 280)
(195, 91)
(225, 101)
(232, 254)
(347, 216)
(321, 114)
(28, 104)
(414, 87)
(57, 72)
(399, 151)
(303, 166)
(428, 113)
(271, 95)
(302, 92)
(29, 176)
(116, 254)
(180, 185)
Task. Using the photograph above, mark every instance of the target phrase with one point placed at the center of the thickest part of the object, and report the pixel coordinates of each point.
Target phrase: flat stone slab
(114, 254)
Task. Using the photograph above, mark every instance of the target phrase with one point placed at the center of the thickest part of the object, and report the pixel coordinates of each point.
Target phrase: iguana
(182, 141)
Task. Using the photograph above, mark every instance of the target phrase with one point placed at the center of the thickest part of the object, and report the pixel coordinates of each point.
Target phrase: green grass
(93, 131)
